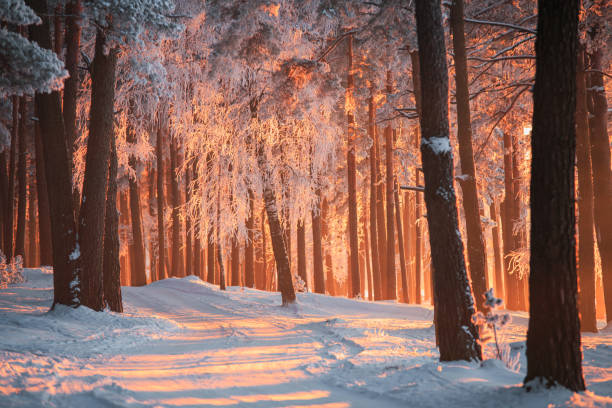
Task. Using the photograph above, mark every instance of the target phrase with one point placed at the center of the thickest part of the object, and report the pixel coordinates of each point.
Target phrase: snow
(183, 342)
(438, 145)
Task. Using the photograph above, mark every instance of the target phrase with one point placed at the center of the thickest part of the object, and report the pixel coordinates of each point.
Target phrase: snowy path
(182, 342)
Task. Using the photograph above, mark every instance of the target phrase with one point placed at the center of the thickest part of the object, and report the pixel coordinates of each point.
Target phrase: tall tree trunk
(453, 303)
(301, 252)
(377, 289)
(139, 275)
(553, 336)
(406, 217)
(188, 230)
(31, 261)
(111, 265)
(44, 220)
(499, 284)
(520, 235)
(66, 272)
(586, 244)
(3, 193)
(416, 84)
(235, 262)
(400, 243)
(390, 271)
(602, 175)
(151, 204)
(249, 247)
(22, 201)
(197, 243)
(91, 215)
(74, 10)
(352, 182)
(477, 255)
(161, 242)
(317, 246)
(511, 278)
(380, 219)
(264, 250)
(9, 210)
(329, 271)
(177, 261)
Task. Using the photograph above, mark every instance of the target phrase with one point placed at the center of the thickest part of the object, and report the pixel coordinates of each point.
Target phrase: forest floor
(183, 342)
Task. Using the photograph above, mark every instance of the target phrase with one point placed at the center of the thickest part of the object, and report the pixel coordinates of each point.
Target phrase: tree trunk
(453, 303)
(416, 83)
(9, 210)
(520, 235)
(22, 164)
(31, 260)
(377, 289)
(301, 252)
(509, 216)
(477, 255)
(391, 289)
(151, 204)
(74, 10)
(44, 220)
(380, 220)
(197, 244)
(66, 272)
(352, 183)
(499, 284)
(400, 243)
(586, 243)
(177, 261)
(111, 265)
(317, 246)
(329, 272)
(188, 230)
(553, 336)
(91, 215)
(264, 250)
(249, 247)
(235, 262)
(161, 242)
(139, 275)
(602, 176)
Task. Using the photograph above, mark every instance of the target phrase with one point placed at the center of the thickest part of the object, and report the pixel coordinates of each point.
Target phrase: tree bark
(354, 290)
(44, 220)
(553, 336)
(111, 264)
(416, 83)
(377, 289)
(197, 243)
(317, 246)
(22, 181)
(499, 284)
(31, 260)
(66, 271)
(453, 303)
(10, 202)
(138, 273)
(602, 176)
(177, 261)
(188, 230)
(161, 241)
(511, 279)
(380, 219)
(586, 243)
(391, 289)
(477, 255)
(301, 252)
(400, 243)
(91, 215)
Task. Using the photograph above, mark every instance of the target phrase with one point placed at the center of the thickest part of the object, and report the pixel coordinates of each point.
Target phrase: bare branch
(500, 24)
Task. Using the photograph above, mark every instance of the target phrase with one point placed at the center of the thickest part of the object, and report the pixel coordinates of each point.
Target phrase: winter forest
(305, 203)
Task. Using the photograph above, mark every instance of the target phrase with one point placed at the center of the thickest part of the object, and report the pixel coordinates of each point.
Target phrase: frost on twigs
(12, 272)
(18, 13)
(490, 325)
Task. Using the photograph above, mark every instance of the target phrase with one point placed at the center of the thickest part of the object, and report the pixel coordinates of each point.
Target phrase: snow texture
(183, 342)
(438, 145)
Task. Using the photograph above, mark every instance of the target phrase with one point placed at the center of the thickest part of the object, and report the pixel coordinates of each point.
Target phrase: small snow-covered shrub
(12, 272)
(299, 284)
(490, 326)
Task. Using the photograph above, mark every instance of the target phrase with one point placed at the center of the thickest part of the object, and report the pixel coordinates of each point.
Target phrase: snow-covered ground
(182, 342)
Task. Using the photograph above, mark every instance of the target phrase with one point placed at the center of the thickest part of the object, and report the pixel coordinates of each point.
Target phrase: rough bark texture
(235, 263)
(188, 230)
(74, 9)
(22, 181)
(553, 334)
(400, 244)
(66, 273)
(31, 259)
(380, 219)
(512, 282)
(177, 261)
(499, 283)
(91, 215)
(329, 271)
(139, 277)
(352, 184)
(602, 176)
(458, 337)
(317, 247)
(301, 251)
(161, 241)
(10, 202)
(416, 83)
(249, 248)
(377, 289)
(197, 243)
(44, 219)
(391, 289)
(586, 242)
(477, 255)
(111, 264)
